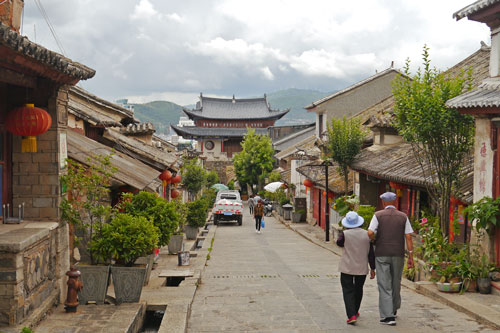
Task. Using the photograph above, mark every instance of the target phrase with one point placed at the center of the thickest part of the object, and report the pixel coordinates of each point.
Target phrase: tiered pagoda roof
(234, 109)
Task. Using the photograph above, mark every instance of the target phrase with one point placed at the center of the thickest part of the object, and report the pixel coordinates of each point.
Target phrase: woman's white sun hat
(352, 220)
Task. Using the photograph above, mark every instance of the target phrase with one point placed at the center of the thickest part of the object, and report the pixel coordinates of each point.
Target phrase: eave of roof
(102, 102)
(487, 95)
(129, 170)
(208, 132)
(354, 86)
(73, 71)
(315, 172)
(273, 115)
(474, 8)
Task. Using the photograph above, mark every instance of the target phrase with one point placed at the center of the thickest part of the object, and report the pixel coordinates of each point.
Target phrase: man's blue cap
(388, 196)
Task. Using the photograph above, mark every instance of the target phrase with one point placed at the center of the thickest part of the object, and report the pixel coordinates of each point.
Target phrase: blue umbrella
(219, 187)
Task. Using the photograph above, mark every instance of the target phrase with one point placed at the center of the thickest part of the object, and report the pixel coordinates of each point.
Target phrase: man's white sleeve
(408, 228)
(373, 224)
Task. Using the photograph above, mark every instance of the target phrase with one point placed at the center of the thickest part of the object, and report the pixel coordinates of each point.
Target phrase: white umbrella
(273, 187)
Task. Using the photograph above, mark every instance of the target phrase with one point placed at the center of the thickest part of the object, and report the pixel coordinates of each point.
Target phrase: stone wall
(221, 168)
(33, 261)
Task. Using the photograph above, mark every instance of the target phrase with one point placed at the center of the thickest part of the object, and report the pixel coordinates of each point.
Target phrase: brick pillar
(11, 12)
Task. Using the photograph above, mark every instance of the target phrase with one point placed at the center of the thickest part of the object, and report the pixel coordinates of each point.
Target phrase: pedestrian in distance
(357, 255)
(251, 204)
(389, 228)
(258, 212)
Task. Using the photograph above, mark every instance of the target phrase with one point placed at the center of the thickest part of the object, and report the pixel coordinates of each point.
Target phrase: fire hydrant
(74, 286)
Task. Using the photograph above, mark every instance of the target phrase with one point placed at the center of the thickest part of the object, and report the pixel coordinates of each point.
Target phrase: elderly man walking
(390, 227)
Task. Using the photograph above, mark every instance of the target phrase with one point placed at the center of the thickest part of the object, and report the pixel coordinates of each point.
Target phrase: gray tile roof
(293, 138)
(51, 59)
(227, 108)
(352, 87)
(397, 163)
(473, 8)
(203, 132)
(486, 95)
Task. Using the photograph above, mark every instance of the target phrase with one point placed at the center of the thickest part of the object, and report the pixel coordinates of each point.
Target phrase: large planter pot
(449, 287)
(128, 282)
(484, 285)
(146, 261)
(175, 244)
(95, 283)
(191, 232)
(296, 217)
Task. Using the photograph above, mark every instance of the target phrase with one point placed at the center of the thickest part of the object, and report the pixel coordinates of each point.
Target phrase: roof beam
(17, 79)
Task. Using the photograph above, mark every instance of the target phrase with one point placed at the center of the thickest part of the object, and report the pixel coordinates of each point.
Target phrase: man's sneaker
(351, 320)
(388, 321)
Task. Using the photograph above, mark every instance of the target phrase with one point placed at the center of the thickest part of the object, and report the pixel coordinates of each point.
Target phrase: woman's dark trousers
(258, 220)
(352, 289)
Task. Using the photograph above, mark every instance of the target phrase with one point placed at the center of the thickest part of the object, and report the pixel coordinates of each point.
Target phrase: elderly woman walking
(353, 267)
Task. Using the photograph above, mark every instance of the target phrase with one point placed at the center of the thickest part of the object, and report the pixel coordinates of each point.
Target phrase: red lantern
(308, 183)
(176, 179)
(174, 193)
(28, 121)
(165, 175)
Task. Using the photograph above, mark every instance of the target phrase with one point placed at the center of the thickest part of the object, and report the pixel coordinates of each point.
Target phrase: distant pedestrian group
(382, 248)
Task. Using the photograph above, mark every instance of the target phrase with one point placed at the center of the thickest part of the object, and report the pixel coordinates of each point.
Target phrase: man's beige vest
(354, 260)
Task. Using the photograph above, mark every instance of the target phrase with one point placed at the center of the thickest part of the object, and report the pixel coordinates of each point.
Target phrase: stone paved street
(278, 281)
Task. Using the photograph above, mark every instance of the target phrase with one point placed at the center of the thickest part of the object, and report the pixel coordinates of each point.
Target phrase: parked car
(228, 207)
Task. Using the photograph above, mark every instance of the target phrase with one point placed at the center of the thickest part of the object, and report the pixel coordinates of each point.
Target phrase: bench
(175, 277)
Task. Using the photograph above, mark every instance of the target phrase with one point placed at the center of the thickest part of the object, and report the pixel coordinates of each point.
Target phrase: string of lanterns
(166, 178)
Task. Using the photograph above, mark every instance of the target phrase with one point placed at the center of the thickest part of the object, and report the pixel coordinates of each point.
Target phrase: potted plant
(298, 215)
(176, 240)
(196, 217)
(87, 209)
(483, 280)
(163, 214)
(449, 279)
(125, 239)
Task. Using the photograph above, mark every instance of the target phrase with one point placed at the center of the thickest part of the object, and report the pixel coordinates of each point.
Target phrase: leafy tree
(253, 164)
(87, 205)
(441, 138)
(345, 139)
(275, 176)
(230, 184)
(197, 213)
(193, 177)
(212, 178)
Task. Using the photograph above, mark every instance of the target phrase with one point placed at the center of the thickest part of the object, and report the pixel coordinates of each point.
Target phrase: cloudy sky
(173, 50)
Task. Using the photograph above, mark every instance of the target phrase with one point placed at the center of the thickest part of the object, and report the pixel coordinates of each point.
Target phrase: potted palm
(125, 239)
(87, 209)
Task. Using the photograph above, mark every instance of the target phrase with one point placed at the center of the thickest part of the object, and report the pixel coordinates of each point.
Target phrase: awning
(129, 171)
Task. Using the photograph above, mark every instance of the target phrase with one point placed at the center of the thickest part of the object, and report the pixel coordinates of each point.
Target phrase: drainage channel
(152, 319)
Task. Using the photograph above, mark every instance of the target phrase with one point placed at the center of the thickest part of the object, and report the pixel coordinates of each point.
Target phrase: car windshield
(228, 196)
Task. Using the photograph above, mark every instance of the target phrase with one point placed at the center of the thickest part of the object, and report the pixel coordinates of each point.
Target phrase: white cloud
(175, 17)
(144, 10)
(267, 73)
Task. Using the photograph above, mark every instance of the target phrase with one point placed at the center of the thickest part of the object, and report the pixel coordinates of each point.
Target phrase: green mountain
(160, 113)
(163, 113)
(295, 100)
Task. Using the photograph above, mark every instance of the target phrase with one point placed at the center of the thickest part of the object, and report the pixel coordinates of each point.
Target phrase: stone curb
(177, 314)
(478, 311)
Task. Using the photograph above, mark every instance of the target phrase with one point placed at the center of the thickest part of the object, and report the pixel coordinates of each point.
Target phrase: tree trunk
(444, 211)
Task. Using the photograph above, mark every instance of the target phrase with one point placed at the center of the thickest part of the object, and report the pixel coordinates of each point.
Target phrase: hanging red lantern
(308, 183)
(165, 175)
(174, 193)
(28, 121)
(176, 179)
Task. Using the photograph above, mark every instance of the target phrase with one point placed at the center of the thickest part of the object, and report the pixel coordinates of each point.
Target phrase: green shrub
(366, 212)
(197, 213)
(125, 239)
(230, 185)
(212, 178)
(209, 196)
(164, 214)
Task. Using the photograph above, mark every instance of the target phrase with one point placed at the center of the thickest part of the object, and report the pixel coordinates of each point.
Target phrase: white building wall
(483, 160)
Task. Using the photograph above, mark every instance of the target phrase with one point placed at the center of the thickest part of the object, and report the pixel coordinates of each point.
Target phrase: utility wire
(49, 23)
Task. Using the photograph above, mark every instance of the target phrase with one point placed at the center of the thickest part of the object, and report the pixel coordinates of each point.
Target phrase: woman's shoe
(352, 320)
